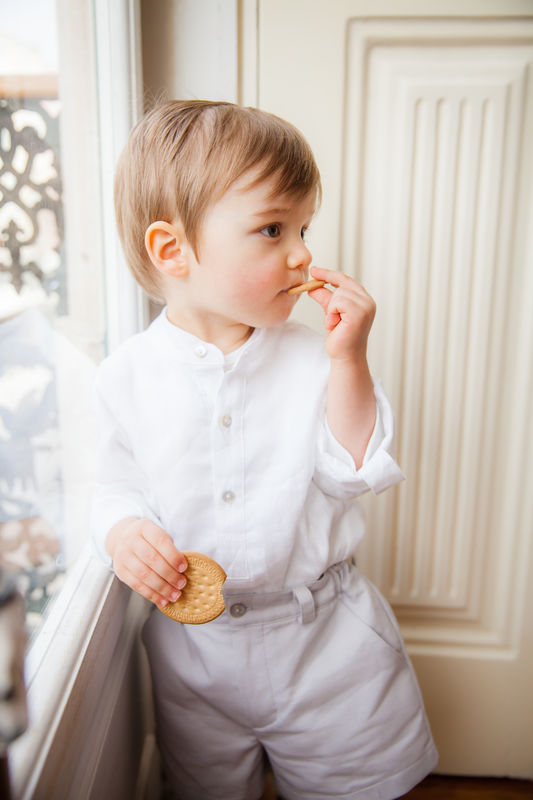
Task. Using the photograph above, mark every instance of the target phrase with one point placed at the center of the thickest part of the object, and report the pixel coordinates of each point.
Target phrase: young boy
(228, 430)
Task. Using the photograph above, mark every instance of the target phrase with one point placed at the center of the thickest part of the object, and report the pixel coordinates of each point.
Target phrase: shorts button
(238, 610)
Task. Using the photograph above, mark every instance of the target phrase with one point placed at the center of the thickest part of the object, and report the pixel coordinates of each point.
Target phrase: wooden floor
(437, 787)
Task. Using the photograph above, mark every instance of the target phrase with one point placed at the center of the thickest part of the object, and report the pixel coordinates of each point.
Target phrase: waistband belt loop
(306, 601)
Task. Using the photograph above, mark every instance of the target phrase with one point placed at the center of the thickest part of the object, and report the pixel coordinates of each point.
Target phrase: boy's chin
(274, 314)
(271, 320)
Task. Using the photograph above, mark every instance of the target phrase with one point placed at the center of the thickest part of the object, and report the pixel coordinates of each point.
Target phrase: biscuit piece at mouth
(308, 286)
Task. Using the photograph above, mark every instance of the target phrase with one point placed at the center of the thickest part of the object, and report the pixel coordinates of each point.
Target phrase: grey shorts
(315, 680)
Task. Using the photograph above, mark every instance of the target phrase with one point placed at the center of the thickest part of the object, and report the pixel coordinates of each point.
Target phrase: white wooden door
(421, 118)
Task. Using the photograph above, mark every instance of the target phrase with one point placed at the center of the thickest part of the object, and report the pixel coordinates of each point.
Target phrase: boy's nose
(299, 256)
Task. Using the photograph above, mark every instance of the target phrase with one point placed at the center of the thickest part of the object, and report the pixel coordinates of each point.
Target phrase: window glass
(51, 311)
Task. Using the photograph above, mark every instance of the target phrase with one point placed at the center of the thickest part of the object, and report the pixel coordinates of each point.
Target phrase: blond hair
(184, 155)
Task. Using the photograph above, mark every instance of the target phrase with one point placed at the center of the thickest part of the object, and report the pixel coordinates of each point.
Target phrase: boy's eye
(272, 231)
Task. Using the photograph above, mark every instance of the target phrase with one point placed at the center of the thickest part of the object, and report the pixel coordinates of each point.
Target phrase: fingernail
(181, 583)
(162, 603)
(182, 567)
(175, 596)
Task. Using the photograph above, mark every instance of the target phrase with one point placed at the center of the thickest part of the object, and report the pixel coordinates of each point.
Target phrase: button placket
(225, 421)
(228, 471)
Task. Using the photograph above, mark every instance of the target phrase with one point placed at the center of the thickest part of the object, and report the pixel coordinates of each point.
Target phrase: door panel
(422, 127)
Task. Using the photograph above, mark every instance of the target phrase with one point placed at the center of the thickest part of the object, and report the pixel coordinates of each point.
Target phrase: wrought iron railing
(31, 209)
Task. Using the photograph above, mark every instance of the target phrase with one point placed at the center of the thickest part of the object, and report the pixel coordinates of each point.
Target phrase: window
(52, 329)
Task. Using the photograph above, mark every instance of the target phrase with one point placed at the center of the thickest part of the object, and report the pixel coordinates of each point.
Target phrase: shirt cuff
(379, 470)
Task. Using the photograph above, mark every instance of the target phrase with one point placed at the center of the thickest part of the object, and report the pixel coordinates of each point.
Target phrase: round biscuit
(201, 599)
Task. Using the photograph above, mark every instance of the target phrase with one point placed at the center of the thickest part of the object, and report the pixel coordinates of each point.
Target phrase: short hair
(184, 155)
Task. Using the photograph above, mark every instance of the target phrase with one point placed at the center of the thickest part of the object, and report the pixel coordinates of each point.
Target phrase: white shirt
(232, 455)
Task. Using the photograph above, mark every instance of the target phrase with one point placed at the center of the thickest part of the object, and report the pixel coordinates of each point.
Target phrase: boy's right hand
(146, 559)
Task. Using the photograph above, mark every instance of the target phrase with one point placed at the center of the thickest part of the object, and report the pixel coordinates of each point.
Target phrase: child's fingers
(344, 287)
(346, 291)
(163, 544)
(144, 557)
(332, 276)
(349, 312)
(147, 587)
(352, 299)
(348, 297)
(322, 296)
(146, 580)
(157, 563)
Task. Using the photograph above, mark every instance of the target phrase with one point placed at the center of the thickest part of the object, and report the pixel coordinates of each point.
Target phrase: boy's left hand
(349, 310)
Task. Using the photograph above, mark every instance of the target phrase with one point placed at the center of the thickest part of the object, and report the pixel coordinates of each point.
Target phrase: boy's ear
(165, 244)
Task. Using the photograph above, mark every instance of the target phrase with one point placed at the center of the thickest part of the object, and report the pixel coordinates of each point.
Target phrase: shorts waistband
(301, 603)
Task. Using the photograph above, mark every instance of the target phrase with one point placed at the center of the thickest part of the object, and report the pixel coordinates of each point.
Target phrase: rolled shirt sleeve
(336, 473)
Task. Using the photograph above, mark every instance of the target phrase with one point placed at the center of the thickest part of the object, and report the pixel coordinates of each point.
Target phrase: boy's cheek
(253, 287)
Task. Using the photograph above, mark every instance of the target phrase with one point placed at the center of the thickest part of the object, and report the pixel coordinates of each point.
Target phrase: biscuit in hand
(201, 599)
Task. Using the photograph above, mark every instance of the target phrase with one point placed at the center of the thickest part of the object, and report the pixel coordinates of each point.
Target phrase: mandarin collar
(193, 350)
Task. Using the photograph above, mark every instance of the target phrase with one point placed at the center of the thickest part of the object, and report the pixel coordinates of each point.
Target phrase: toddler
(229, 430)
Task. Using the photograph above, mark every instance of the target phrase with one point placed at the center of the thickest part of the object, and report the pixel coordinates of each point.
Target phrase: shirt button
(226, 421)
(238, 610)
(228, 497)
(200, 351)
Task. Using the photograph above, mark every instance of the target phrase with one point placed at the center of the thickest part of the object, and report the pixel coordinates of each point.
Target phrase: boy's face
(251, 250)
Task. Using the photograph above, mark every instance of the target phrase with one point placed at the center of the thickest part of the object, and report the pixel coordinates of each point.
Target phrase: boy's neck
(227, 336)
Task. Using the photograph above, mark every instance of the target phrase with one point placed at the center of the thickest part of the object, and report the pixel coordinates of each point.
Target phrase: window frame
(86, 617)
(119, 74)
